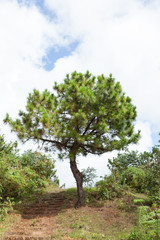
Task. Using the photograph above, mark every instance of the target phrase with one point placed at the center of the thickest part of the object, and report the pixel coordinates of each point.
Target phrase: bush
(6, 207)
(148, 225)
(42, 164)
(18, 182)
(23, 174)
(135, 178)
(108, 188)
(89, 175)
(156, 198)
(140, 171)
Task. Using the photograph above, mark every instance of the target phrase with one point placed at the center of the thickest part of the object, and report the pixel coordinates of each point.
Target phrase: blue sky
(53, 54)
(41, 41)
(41, 5)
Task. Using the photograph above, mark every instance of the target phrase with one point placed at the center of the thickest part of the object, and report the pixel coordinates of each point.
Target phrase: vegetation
(96, 220)
(89, 175)
(83, 115)
(21, 175)
(125, 203)
(135, 178)
(139, 171)
(148, 225)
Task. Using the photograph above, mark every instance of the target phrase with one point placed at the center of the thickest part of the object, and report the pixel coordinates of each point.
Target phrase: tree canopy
(84, 114)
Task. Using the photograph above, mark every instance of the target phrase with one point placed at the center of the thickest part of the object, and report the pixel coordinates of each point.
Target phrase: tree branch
(93, 149)
(56, 143)
(88, 125)
(51, 141)
(86, 150)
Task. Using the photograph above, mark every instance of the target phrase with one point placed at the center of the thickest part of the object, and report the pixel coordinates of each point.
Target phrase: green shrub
(42, 164)
(156, 198)
(148, 225)
(135, 178)
(23, 174)
(140, 171)
(6, 207)
(89, 175)
(19, 182)
(108, 188)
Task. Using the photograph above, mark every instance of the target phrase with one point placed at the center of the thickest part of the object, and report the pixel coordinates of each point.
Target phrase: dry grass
(8, 222)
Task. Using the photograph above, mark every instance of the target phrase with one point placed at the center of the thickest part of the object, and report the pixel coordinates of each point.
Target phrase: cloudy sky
(42, 40)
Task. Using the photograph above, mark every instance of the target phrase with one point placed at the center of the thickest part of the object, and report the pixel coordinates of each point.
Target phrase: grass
(8, 222)
(98, 219)
(93, 223)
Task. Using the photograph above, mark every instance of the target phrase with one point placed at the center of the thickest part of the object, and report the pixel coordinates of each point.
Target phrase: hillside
(53, 216)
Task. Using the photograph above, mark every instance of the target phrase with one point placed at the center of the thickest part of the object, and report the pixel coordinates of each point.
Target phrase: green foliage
(108, 188)
(84, 114)
(153, 171)
(89, 175)
(156, 198)
(148, 225)
(98, 236)
(7, 148)
(125, 160)
(23, 174)
(135, 178)
(18, 182)
(43, 165)
(139, 201)
(5, 207)
(92, 114)
(140, 171)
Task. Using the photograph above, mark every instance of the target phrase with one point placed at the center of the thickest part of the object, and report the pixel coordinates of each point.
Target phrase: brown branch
(86, 150)
(88, 126)
(50, 141)
(56, 143)
(91, 147)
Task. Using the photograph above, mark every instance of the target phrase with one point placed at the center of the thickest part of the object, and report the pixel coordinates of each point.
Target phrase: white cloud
(26, 35)
(145, 141)
(119, 37)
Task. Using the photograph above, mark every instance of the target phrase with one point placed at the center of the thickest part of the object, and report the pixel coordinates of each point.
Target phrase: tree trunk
(79, 180)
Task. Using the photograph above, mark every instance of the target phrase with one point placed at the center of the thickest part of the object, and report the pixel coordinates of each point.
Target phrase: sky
(43, 40)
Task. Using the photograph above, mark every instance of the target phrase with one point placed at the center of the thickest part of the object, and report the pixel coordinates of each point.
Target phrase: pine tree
(84, 114)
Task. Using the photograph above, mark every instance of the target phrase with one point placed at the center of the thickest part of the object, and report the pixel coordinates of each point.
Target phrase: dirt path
(37, 220)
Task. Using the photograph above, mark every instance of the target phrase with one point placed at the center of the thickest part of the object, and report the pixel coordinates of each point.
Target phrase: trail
(37, 220)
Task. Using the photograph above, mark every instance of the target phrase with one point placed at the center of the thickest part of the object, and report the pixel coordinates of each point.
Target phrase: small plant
(109, 188)
(139, 201)
(6, 207)
(34, 222)
(98, 236)
(148, 225)
(156, 198)
(89, 175)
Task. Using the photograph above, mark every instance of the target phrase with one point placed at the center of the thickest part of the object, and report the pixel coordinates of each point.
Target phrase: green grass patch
(98, 219)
